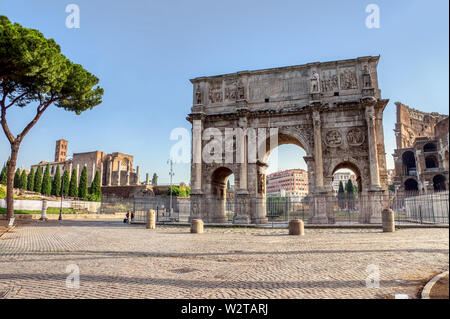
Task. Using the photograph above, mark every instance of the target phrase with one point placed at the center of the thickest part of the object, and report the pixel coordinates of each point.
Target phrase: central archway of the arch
(332, 110)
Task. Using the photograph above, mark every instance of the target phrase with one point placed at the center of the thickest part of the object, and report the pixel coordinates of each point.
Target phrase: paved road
(127, 261)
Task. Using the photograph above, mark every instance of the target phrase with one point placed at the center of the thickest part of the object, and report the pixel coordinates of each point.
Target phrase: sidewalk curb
(427, 289)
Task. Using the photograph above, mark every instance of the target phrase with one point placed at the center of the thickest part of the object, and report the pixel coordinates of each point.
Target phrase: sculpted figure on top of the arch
(325, 108)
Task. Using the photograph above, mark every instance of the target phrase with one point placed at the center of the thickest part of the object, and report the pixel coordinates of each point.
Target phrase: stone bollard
(44, 211)
(196, 226)
(388, 220)
(151, 220)
(296, 227)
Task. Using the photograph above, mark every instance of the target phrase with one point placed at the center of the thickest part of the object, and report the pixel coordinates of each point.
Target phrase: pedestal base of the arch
(241, 208)
(259, 216)
(320, 209)
(371, 205)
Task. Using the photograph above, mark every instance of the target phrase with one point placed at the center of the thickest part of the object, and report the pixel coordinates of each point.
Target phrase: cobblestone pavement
(116, 260)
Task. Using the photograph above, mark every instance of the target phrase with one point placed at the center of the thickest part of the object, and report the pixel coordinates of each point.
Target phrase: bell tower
(61, 150)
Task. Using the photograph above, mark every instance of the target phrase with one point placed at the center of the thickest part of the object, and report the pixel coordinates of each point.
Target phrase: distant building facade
(290, 183)
(421, 157)
(342, 177)
(116, 169)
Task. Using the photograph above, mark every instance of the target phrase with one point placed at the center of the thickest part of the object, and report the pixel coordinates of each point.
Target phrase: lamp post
(171, 175)
(62, 193)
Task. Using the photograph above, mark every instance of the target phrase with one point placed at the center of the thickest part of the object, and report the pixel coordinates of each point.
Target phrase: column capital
(308, 159)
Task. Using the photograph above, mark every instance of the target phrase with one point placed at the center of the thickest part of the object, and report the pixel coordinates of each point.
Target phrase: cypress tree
(17, 179)
(23, 180)
(56, 185)
(83, 188)
(3, 175)
(66, 183)
(30, 181)
(47, 182)
(341, 195)
(38, 180)
(350, 194)
(96, 190)
(73, 188)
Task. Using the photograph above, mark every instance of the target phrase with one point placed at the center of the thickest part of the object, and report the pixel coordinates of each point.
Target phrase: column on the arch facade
(318, 161)
(309, 160)
(243, 160)
(372, 141)
(197, 129)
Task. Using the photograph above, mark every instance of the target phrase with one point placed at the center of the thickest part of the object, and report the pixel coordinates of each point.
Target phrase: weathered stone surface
(333, 110)
(196, 226)
(388, 220)
(151, 220)
(421, 158)
(44, 211)
(296, 227)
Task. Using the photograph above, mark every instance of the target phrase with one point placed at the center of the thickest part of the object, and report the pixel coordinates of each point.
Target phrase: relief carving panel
(329, 82)
(347, 78)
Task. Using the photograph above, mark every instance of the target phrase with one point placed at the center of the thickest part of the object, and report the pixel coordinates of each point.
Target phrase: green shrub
(38, 180)
(3, 175)
(56, 185)
(82, 187)
(30, 180)
(2, 192)
(73, 187)
(179, 191)
(66, 183)
(94, 197)
(17, 179)
(47, 182)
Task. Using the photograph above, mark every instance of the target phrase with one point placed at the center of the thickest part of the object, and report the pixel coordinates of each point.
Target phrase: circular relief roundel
(355, 137)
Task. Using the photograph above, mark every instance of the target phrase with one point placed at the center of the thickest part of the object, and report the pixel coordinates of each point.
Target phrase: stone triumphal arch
(333, 110)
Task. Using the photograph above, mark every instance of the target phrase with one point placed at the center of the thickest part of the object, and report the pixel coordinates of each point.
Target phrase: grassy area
(50, 210)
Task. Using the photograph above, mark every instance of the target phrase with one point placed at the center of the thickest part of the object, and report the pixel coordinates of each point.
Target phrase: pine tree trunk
(10, 181)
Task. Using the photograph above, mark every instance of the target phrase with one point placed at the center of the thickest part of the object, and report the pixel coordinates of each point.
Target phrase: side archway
(411, 185)
(439, 183)
(217, 196)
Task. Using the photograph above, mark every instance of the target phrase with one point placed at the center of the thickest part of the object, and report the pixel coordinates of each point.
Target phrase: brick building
(116, 169)
(421, 157)
(291, 183)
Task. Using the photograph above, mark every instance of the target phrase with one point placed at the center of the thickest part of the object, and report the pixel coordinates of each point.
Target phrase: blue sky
(145, 52)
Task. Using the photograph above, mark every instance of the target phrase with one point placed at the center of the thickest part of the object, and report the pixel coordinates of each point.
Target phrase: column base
(375, 188)
(318, 220)
(375, 219)
(260, 220)
(241, 220)
(218, 220)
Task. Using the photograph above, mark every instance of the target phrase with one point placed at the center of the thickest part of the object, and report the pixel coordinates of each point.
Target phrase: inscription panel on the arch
(279, 85)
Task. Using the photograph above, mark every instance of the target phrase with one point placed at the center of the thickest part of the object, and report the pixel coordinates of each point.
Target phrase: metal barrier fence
(138, 206)
(430, 208)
